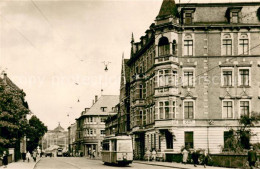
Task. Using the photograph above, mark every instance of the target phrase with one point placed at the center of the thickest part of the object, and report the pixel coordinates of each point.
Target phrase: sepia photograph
(108, 84)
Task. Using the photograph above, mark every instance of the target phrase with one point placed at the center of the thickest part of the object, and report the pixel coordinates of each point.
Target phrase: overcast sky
(54, 50)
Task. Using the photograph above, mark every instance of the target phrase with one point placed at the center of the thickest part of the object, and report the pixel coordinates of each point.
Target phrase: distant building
(193, 75)
(55, 138)
(72, 129)
(91, 124)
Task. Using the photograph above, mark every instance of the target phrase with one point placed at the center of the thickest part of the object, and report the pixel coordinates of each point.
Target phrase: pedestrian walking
(153, 155)
(28, 156)
(195, 158)
(252, 157)
(4, 159)
(93, 153)
(34, 156)
(185, 155)
(24, 156)
(205, 158)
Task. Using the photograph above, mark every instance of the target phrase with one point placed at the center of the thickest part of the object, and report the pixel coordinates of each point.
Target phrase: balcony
(166, 122)
(196, 122)
(166, 58)
(138, 102)
(166, 90)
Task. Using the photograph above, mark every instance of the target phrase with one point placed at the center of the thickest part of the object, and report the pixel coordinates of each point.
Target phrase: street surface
(84, 163)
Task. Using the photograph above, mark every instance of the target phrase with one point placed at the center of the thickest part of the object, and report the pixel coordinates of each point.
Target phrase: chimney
(96, 98)
(93, 102)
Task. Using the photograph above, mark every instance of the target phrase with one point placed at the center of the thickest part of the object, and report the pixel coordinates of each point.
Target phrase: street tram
(59, 152)
(117, 150)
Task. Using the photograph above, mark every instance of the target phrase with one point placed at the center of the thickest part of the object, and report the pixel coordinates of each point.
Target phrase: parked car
(66, 154)
(48, 154)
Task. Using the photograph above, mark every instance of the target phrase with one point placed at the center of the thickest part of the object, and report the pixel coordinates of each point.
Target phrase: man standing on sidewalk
(185, 155)
(34, 156)
(5, 159)
(28, 156)
(252, 157)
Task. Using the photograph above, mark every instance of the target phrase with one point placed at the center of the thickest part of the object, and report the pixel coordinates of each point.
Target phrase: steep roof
(108, 101)
(168, 8)
(10, 83)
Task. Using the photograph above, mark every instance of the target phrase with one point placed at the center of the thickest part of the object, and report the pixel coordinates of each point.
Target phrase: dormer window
(234, 18)
(188, 15)
(103, 109)
(232, 14)
(188, 18)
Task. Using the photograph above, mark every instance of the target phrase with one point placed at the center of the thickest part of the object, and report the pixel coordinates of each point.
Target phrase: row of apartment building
(188, 80)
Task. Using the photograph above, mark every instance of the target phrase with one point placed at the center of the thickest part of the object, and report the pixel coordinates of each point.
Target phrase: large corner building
(193, 74)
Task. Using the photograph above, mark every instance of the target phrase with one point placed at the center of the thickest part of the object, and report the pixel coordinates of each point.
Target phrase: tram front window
(124, 146)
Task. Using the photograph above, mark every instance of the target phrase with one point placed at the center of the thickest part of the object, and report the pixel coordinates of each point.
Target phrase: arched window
(227, 44)
(243, 44)
(164, 46)
(174, 47)
(188, 45)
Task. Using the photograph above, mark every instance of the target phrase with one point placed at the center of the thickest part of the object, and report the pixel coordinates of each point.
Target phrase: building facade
(72, 138)
(91, 125)
(193, 75)
(55, 138)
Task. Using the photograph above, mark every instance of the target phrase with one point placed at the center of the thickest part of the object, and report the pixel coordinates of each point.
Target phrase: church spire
(132, 45)
(132, 40)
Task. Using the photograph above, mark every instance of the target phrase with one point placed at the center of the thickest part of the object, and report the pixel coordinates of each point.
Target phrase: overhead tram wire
(51, 26)
(17, 30)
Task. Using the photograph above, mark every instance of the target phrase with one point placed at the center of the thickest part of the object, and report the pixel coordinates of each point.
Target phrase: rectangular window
(234, 17)
(141, 91)
(161, 78)
(188, 18)
(166, 110)
(103, 119)
(102, 132)
(244, 108)
(227, 45)
(144, 118)
(161, 109)
(173, 109)
(227, 138)
(244, 46)
(189, 139)
(228, 109)
(164, 50)
(172, 77)
(188, 47)
(188, 110)
(188, 78)
(244, 77)
(167, 77)
(227, 78)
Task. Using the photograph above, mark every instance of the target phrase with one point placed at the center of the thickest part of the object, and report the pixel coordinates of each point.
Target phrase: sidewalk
(22, 165)
(173, 164)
